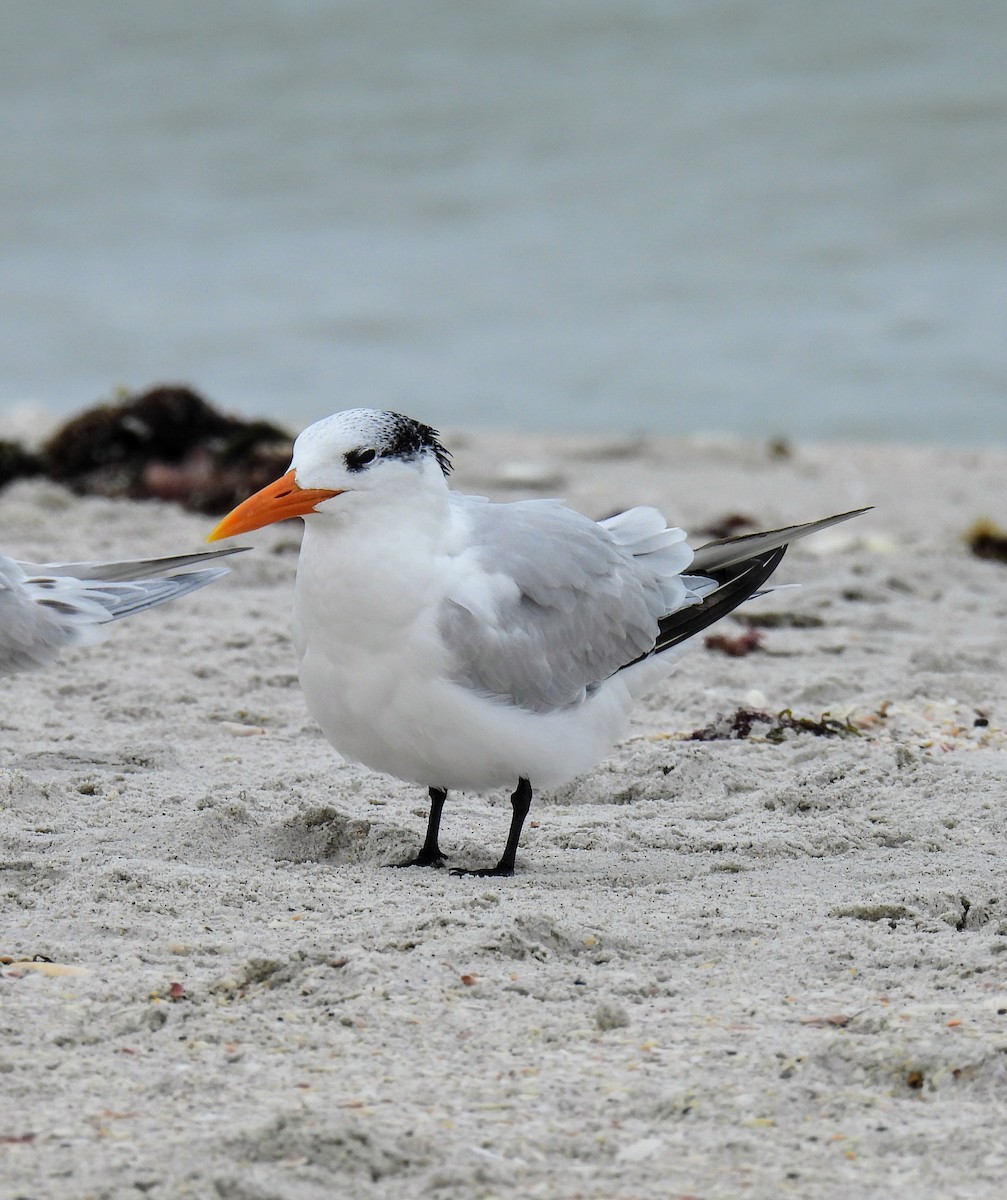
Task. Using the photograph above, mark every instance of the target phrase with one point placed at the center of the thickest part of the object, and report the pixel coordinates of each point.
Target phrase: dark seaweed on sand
(167, 443)
(17, 463)
(745, 721)
(988, 541)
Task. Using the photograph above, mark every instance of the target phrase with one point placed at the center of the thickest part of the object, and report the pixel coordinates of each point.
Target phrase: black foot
(499, 871)
(430, 853)
(520, 803)
(423, 859)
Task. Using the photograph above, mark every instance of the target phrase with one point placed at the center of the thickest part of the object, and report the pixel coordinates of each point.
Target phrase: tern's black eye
(356, 460)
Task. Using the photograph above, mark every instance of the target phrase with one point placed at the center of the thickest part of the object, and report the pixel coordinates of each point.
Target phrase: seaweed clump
(735, 647)
(167, 443)
(17, 463)
(744, 722)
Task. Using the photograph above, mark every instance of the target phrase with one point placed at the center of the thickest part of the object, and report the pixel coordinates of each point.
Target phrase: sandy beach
(764, 966)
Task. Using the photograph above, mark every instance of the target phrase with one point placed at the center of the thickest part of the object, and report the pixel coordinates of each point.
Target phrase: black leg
(430, 853)
(520, 803)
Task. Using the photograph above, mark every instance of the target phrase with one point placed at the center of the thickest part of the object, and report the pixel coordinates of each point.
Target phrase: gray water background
(763, 216)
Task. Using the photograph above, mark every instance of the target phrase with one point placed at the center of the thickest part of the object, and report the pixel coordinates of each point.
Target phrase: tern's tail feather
(727, 551)
(738, 567)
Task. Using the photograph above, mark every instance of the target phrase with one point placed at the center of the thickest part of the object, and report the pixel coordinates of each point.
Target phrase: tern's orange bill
(275, 502)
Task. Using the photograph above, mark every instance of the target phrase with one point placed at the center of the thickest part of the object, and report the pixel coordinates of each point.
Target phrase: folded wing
(545, 605)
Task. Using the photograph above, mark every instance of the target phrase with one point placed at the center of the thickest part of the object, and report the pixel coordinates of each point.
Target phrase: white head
(352, 449)
(360, 452)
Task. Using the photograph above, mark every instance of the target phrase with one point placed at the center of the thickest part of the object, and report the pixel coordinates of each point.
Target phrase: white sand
(724, 969)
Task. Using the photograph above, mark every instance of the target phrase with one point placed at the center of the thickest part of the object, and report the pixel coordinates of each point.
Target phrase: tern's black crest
(405, 438)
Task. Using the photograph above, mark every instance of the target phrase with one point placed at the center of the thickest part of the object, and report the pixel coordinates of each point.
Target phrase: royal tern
(457, 643)
(45, 607)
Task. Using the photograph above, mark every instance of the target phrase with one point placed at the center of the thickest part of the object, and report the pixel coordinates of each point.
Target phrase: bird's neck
(375, 559)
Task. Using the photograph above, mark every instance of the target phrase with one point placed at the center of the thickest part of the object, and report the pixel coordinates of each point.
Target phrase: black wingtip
(737, 583)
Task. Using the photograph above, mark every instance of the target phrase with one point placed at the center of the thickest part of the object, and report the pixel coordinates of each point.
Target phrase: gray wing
(130, 568)
(544, 603)
(44, 608)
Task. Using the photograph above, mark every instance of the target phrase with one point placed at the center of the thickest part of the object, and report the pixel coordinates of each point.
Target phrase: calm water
(768, 216)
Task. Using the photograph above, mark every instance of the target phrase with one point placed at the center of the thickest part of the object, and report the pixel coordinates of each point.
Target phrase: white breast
(375, 672)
